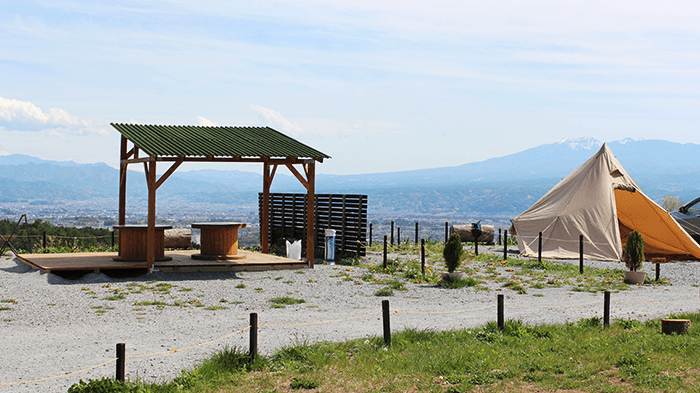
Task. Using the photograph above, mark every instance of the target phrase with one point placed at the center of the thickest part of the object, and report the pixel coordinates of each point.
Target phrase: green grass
(628, 356)
(286, 300)
(386, 291)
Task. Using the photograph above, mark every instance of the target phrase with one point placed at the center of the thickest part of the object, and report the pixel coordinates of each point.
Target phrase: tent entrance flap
(663, 237)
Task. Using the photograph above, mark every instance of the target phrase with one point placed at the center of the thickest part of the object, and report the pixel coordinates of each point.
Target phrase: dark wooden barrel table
(219, 240)
(133, 243)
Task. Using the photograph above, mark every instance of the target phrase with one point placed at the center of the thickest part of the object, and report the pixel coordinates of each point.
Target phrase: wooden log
(678, 326)
(465, 233)
(178, 238)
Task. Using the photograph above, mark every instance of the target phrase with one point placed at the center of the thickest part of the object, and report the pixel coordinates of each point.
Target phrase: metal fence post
(580, 254)
(384, 258)
(500, 319)
(422, 256)
(121, 361)
(606, 309)
(387, 326)
(392, 233)
(253, 335)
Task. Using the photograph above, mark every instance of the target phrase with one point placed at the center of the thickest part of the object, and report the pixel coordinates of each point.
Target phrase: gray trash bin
(330, 246)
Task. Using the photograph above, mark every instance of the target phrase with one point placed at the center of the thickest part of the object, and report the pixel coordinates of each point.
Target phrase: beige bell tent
(600, 201)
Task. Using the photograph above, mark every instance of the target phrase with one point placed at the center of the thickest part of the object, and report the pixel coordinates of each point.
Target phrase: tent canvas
(600, 201)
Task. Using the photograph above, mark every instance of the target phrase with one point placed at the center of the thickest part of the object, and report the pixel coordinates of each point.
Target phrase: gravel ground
(52, 326)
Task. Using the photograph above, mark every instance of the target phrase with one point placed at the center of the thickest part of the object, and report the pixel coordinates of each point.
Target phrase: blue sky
(379, 86)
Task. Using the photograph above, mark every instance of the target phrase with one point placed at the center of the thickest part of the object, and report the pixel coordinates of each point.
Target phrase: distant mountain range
(503, 186)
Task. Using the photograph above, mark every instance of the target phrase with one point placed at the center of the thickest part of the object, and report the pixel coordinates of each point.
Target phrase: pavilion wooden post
(265, 219)
(310, 210)
(123, 157)
(151, 235)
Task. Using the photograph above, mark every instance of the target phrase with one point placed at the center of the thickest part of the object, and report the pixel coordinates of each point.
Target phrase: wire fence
(386, 311)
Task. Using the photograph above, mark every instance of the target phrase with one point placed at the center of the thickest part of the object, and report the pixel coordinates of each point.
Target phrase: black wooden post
(447, 234)
(392, 233)
(112, 238)
(416, 232)
(422, 256)
(476, 247)
(44, 240)
(606, 309)
(387, 325)
(580, 254)
(500, 311)
(505, 245)
(398, 235)
(499, 236)
(384, 259)
(121, 361)
(370, 233)
(539, 248)
(658, 271)
(253, 335)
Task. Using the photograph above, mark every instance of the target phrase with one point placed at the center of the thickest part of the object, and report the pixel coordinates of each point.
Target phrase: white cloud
(25, 116)
(203, 121)
(277, 121)
(56, 133)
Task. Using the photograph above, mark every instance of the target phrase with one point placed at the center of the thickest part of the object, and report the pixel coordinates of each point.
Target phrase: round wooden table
(219, 240)
(133, 243)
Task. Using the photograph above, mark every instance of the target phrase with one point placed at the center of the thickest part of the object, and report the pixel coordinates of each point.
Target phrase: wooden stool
(678, 326)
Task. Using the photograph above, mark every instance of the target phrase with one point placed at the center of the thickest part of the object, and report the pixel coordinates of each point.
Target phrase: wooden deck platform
(182, 262)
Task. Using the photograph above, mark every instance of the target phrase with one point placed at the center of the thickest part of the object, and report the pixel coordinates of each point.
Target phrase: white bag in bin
(294, 249)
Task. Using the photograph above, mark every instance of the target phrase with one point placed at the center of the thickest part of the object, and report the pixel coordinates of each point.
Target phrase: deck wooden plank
(181, 262)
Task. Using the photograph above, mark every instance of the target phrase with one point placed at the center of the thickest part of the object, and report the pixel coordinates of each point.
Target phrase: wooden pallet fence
(346, 213)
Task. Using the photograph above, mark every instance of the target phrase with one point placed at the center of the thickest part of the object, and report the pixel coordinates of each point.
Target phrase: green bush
(634, 251)
(453, 252)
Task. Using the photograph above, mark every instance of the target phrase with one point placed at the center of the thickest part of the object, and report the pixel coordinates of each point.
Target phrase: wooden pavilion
(177, 144)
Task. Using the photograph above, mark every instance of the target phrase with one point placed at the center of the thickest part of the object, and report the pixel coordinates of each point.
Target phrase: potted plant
(453, 257)
(634, 256)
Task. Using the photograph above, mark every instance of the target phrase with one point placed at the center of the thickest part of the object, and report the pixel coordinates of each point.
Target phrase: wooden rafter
(298, 175)
(170, 171)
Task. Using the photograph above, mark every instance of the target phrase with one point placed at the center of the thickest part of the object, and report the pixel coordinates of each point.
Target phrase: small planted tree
(453, 253)
(634, 251)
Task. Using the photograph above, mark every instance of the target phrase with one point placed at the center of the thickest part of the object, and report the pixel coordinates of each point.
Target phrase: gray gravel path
(53, 326)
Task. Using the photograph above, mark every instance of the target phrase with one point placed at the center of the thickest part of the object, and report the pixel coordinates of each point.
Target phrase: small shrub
(453, 253)
(386, 291)
(397, 285)
(286, 300)
(634, 251)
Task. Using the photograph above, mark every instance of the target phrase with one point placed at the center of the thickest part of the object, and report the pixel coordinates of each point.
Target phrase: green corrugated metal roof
(220, 141)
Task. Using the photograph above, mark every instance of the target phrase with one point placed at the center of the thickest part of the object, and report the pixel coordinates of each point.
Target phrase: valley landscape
(491, 191)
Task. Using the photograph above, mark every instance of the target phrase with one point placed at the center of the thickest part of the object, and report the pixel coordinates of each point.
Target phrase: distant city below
(491, 191)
